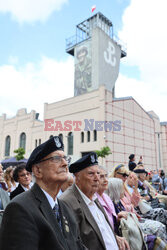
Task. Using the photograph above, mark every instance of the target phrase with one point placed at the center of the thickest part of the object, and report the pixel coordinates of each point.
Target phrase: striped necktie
(57, 214)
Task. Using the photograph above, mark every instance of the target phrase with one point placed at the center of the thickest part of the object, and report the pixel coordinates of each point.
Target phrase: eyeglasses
(124, 175)
(58, 158)
(24, 175)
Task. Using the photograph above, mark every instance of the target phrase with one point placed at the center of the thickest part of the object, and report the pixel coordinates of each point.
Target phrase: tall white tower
(96, 53)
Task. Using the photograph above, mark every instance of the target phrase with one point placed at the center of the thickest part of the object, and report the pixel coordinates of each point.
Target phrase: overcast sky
(34, 67)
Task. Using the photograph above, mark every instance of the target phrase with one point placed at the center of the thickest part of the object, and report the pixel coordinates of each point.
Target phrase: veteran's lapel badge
(67, 228)
(66, 225)
(57, 142)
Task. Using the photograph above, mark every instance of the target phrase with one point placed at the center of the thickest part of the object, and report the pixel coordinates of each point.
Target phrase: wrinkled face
(103, 182)
(53, 170)
(24, 178)
(88, 180)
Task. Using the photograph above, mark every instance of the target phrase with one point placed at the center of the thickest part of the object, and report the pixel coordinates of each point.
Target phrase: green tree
(105, 151)
(19, 153)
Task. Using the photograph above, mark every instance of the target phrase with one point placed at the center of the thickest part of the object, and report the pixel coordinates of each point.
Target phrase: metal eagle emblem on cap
(57, 142)
(92, 158)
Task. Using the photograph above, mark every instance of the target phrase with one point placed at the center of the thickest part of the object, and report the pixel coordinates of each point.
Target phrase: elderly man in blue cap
(36, 219)
(95, 229)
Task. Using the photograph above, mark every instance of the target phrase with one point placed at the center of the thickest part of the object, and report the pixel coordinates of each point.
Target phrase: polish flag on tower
(93, 8)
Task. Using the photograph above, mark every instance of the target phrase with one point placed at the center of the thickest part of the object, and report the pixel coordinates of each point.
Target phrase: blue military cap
(53, 144)
(88, 160)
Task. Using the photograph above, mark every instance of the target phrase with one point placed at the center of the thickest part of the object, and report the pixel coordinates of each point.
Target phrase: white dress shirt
(51, 201)
(26, 189)
(105, 229)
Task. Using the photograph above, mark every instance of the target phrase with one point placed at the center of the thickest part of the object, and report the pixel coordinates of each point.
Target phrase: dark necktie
(57, 214)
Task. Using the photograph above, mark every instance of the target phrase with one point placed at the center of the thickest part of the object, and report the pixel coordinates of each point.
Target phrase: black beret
(84, 162)
(140, 171)
(53, 144)
(131, 156)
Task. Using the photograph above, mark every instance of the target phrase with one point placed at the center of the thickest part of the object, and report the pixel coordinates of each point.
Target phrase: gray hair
(103, 168)
(115, 188)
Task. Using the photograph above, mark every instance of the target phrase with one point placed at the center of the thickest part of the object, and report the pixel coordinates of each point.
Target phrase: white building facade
(93, 118)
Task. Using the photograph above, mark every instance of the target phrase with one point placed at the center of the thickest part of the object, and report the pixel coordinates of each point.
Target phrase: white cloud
(31, 10)
(13, 60)
(32, 85)
(144, 30)
(149, 98)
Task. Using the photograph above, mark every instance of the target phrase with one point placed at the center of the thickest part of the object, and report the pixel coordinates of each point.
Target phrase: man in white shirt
(95, 229)
(36, 219)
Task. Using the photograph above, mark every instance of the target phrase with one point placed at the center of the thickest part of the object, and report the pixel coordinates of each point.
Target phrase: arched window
(7, 146)
(39, 141)
(23, 140)
(70, 143)
(61, 136)
(82, 137)
(88, 136)
(94, 135)
(36, 143)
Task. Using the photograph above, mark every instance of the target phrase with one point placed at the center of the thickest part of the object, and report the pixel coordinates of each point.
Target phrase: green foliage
(19, 153)
(103, 152)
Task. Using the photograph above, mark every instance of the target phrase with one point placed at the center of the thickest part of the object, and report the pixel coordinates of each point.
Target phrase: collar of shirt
(85, 198)
(51, 201)
(26, 189)
(59, 193)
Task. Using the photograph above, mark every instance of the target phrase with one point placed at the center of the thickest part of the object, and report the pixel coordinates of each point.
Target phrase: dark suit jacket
(30, 224)
(17, 191)
(89, 230)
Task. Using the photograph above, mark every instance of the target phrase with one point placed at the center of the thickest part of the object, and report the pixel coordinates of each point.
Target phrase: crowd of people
(49, 204)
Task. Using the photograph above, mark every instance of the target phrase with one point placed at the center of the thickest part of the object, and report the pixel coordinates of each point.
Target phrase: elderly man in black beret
(36, 219)
(95, 229)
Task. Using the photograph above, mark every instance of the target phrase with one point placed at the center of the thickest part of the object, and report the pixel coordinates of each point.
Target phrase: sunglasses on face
(57, 159)
(124, 175)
